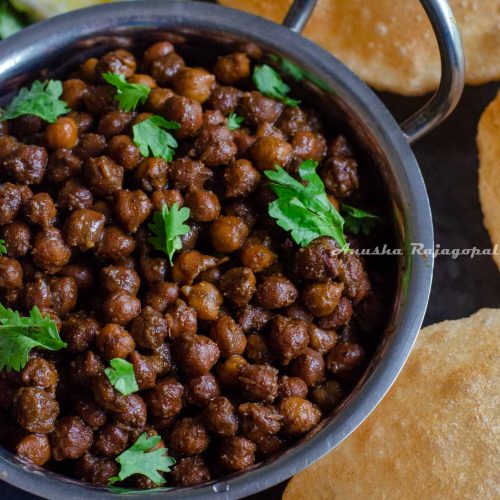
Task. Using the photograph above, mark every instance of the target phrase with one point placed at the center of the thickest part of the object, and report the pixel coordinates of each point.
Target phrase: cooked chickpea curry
(179, 295)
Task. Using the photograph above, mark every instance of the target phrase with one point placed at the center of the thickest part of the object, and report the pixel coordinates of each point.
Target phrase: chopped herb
(128, 95)
(41, 100)
(3, 248)
(290, 68)
(299, 74)
(234, 121)
(122, 376)
(139, 459)
(151, 135)
(270, 83)
(10, 21)
(304, 210)
(357, 220)
(18, 335)
(168, 227)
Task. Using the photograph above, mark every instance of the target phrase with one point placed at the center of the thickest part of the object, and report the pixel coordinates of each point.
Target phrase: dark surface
(448, 159)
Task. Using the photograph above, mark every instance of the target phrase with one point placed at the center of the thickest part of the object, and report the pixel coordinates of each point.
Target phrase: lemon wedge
(42, 9)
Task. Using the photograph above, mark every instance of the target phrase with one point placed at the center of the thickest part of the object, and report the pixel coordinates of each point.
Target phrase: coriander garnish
(304, 210)
(270, 83)
(10, 21)
(18, 335)
(41, 99)
(139, 459)
(234, 121)
(357, 220)
(121, 376)
(152, 138)
(128, 95)
(168, 227)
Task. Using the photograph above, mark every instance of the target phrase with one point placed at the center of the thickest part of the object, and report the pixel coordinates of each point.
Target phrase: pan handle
(443, 102)
(298, 15)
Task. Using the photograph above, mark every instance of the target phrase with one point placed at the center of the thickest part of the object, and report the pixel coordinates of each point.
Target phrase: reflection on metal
(298, 15)
(450, 89)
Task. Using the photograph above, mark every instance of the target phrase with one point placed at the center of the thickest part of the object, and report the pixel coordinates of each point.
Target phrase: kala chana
(195, 314)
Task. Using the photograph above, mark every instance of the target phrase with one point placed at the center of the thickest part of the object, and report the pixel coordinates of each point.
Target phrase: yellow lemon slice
(42, 9)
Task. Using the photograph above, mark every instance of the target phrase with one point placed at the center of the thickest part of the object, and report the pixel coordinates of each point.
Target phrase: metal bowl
(50, 47)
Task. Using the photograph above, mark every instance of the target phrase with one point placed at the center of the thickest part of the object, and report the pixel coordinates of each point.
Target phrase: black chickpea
(157, 51)
(124, 151)
(17, 237)
(157, 99)
(62, 134)
(299, 415)
(167, 197)
(258, 349)
(232, 68)
(118, 61)
(241, 179)
(41, 210)
(228, 233)
(270, 151)
(196, 354)
(204, 205)
(238, 285)
(228, 336)
(211, 328)
(151, 174)
(257, 256)
(276, 291)
(322, 298)
(205, 299)
(113, 341)
(194, 83)
(165, 68)
(141, 79)
(228, 371)
(73, 92)
(185, 111)
(328, 396)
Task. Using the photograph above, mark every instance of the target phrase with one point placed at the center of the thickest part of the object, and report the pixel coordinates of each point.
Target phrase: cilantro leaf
(10, 22)
(290, 68)
(3, 248)
(41, 100)
(150, 135)
(139, 459)
(357, 220)
(299, 74)
(234, 121)
(304, 210)
(18, 335)
(128, 95)
(168, 227)
(121, 376)
(270, 83)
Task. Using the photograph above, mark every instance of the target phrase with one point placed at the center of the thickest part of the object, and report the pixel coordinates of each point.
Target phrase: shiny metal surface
(51, 47)
(299, 13)
(452, 72)
(451, 86)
